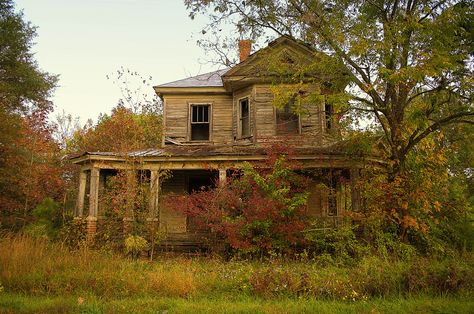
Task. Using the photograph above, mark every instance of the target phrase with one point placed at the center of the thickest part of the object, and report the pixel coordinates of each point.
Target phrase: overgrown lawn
(39, 276)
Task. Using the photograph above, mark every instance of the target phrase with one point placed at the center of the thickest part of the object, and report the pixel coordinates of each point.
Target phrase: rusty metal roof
(211, 79)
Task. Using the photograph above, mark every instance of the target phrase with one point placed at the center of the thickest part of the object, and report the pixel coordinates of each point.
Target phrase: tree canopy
(29, 157)
(410, 62)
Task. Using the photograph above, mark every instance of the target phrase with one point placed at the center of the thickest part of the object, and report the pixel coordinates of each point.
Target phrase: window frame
(275, 114)
(328, 116)
(240, 134)
(190, 122)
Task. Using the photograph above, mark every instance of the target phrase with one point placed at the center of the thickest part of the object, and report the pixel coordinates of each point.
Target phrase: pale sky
(83, 41)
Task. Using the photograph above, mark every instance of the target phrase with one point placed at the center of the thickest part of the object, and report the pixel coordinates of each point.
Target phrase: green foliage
(336, 245)
(41, 268)
(25, 135)
(409, 66)
(134, 245)
(255, 214)
(48, 219)
(73, 233)
(23, 85)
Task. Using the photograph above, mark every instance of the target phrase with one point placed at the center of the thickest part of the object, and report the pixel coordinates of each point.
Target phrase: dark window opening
(200, 122)
(287, 122)
(244, 118)
(328, 113)
(200, 183)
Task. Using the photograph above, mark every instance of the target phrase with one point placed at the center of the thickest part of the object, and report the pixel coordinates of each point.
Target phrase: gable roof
(283, 44)
(257, 67)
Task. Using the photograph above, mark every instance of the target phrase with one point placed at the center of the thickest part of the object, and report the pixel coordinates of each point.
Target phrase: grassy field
(10, 303)
(41, 277)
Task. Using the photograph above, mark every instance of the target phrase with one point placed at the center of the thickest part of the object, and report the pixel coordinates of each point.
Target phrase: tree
(410, 62)
(28, 154)
(23, 86)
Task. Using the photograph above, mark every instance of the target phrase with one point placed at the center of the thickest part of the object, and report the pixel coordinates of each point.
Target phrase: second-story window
(328, 114)
(200, 122)
(244, 117)
(287, 121)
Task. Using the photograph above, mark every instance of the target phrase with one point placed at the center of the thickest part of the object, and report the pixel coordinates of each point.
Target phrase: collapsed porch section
(182, 170)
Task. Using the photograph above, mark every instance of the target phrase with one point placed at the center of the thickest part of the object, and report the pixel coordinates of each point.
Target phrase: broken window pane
(287, 122)
(200, 122)
(244, 118)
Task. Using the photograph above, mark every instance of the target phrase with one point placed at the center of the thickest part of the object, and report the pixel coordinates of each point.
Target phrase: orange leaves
(410, 222)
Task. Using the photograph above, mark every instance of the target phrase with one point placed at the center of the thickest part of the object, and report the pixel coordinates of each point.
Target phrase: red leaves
(248, 217)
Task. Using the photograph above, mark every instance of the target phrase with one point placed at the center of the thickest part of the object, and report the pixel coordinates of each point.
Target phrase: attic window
(287, 121)
(200, 122)
(244, 117)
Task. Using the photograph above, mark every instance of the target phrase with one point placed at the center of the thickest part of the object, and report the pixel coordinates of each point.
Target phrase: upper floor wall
(237, 105)
(244, 116)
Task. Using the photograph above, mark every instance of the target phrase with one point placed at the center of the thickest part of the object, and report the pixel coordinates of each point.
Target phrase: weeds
(34, 266)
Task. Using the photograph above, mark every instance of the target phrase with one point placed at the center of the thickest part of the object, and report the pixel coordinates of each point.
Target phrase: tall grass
(37, 267)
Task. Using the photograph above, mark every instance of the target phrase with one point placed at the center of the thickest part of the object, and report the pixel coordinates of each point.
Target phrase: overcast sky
(84, 41)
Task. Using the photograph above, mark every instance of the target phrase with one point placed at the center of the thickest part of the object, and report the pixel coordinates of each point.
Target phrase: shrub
(339, 243)
(134, 245)
(259, 212)
(73, 233)
(48, 220)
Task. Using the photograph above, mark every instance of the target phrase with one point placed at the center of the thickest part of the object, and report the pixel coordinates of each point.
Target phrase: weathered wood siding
(177, 116)
(170, 220)
(316, 201)
(224, 124)
(264, 111)
(312, 119)
(312, 116)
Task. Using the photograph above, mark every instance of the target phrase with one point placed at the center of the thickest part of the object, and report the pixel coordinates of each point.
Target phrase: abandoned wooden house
(214, 122)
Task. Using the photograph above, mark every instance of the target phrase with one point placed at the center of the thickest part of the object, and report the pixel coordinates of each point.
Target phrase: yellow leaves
(410, 222)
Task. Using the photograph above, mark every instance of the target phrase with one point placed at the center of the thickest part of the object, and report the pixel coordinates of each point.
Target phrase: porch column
(355, 190)
(81, 194)
(155, 185)
(93, 203)
(222, 177)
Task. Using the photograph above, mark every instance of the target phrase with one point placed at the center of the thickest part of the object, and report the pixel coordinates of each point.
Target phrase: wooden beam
(81, 194)
(355, 190)
(155, 185)
(94, 192)
(222, 177)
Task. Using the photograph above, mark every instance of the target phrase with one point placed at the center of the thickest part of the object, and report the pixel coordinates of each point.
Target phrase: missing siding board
(200, 122)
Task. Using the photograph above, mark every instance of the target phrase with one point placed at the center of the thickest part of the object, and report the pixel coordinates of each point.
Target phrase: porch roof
(341, 149)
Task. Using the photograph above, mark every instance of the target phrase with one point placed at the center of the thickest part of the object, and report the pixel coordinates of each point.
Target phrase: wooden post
(355, 191)
(93, 203)
(81, 194)
(222, 177)
(154, 193)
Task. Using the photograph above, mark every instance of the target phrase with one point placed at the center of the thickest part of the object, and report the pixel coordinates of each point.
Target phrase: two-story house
(215, 121)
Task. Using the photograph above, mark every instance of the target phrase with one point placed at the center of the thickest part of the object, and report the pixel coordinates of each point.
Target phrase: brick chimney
(245, 46)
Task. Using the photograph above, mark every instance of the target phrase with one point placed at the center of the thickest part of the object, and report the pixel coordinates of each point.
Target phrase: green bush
(134, 245)
(48, 220)
(337, 244)
(73, 233)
